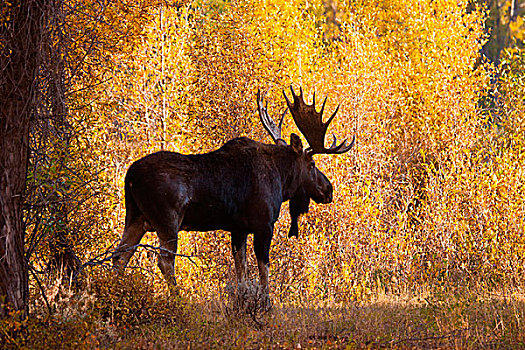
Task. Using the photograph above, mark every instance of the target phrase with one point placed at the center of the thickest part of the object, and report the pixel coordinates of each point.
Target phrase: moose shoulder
(238, 188)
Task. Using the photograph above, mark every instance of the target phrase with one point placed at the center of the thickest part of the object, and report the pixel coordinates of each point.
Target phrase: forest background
(423, 244)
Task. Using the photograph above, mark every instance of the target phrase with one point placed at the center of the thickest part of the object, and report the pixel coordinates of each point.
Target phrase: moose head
(314, 184)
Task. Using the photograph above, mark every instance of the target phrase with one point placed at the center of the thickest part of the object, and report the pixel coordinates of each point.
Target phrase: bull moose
(237, 188)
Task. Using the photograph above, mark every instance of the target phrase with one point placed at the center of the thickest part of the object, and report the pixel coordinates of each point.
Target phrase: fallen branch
(110, 253)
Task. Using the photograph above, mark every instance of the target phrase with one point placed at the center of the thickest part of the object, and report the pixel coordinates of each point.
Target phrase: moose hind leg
(133, 233)
(168, 251)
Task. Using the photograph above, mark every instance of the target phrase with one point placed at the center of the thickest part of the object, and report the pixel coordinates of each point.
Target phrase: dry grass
(133, 313)
(423, 321)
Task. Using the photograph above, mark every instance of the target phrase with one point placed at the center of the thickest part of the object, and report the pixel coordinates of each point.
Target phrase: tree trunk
(20, 33)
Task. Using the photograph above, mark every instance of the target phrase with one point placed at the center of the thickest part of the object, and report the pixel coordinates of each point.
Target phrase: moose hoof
(252, 299)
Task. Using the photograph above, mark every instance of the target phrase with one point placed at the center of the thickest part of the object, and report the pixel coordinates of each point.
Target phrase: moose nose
(326, 197)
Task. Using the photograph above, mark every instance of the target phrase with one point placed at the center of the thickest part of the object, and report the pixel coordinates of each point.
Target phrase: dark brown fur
(238, 188)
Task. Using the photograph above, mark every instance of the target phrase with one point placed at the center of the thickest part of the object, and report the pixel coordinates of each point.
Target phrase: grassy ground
(433, 318)
(425, 321)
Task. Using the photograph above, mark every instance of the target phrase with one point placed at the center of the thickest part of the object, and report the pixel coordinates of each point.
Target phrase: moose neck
(289, 170)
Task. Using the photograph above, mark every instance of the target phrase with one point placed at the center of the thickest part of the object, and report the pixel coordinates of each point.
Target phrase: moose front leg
(168, 238)
(239, 256)
(261, 246)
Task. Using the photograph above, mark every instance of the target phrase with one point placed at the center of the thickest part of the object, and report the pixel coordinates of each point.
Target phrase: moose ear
(296, 143)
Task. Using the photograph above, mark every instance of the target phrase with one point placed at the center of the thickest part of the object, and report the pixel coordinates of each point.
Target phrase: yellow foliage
(431, 193)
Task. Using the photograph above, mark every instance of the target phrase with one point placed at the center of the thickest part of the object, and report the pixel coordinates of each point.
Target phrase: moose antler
(267, 122)
(310, 123)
